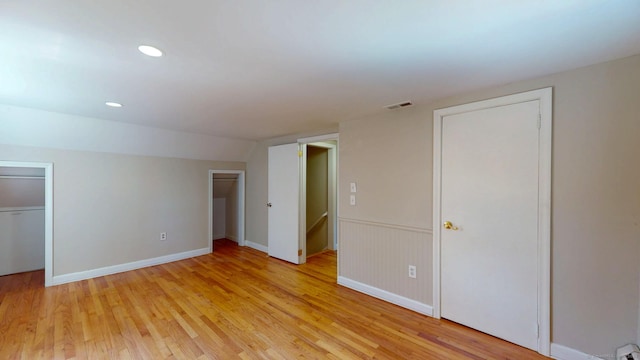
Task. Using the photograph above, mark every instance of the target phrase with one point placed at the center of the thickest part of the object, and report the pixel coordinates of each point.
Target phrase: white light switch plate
(353, 187)
(352, 199)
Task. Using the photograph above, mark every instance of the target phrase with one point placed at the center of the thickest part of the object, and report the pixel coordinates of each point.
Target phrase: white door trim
(544, 96)
(48, 213)
(241, 197)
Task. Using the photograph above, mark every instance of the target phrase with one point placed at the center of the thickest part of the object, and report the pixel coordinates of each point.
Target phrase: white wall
(231, 209)
(109, 209)
(30, 127)
(117, 186)
(21, 192)
(257, 195)
(219, 218)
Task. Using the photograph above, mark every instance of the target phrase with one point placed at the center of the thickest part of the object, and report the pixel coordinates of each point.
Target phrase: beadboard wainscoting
(374, 258)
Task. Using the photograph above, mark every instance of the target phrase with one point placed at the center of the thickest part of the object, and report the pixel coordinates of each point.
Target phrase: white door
(284, 184)
(489, 193)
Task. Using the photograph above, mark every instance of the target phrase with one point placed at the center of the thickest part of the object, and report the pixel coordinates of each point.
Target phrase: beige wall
(317, 198)
(595, 201)
(109, 209)
(256, 195)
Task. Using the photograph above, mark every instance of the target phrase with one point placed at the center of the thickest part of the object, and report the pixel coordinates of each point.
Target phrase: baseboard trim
(256, 246)
(109, 270)
(561, 352)
(232, 238)
(386, 296)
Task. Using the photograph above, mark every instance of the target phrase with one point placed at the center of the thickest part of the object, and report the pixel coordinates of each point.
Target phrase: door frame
(241, 198)
(48, 212)
(333, 190)
(544, 96)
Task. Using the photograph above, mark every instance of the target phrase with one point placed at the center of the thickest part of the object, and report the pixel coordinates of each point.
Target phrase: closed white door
(284, 184)
(489, 194)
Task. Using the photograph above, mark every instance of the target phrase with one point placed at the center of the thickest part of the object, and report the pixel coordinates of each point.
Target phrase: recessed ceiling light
(113, 104)
(150, 50)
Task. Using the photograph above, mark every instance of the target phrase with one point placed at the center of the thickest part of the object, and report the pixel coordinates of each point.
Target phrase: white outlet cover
(412, 271)
(352, 199)
(353, 187)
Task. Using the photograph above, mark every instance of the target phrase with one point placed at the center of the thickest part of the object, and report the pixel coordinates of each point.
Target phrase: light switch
(353, 187)
(352, 200)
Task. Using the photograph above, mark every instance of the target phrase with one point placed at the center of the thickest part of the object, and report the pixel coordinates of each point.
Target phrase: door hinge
(299, 153)
(299, 252)
(539, 121)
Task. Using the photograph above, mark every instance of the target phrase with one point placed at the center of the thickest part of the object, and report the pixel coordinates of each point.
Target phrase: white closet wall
(219, 218)
(21, 240)
(21, 220)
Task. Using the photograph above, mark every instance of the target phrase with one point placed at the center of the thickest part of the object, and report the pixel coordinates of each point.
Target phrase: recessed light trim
(150, 50)
(113, 104)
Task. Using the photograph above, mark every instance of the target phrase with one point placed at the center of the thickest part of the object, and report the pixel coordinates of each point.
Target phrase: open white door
(284, 184)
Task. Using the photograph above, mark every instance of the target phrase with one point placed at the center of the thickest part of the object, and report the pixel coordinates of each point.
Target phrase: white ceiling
(257, 69)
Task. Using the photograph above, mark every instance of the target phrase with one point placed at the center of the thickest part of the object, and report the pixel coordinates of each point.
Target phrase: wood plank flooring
(233, 304)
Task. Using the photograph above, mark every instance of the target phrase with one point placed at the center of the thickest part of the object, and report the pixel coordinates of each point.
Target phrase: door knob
(449, 226)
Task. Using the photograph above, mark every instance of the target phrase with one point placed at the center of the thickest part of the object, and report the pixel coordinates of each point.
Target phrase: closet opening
(226, 207)
(26, 208)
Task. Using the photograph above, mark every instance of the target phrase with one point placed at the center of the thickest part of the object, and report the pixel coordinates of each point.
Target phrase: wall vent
(399, 105)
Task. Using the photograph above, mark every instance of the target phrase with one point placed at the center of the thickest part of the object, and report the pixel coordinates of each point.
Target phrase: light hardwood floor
(234, 303)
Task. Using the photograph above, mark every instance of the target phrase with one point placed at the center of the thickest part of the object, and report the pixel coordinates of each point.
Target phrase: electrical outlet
(352, 200)
(412, 271)
(163, 236)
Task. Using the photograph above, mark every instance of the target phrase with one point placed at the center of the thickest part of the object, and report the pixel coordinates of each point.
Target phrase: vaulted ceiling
(256, 69)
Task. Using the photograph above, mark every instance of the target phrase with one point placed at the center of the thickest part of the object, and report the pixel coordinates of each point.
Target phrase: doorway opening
(318, 195)
(226, 207)
(287, 204)
(26, 218)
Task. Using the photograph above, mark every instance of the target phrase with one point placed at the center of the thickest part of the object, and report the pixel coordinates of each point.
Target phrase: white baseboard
(108, 270)
(256, 246)
(561, 352)
(387, 296)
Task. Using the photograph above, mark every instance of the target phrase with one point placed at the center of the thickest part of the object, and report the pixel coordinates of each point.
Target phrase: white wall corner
(561, 352)
(256, 246)
(386, 296)
(109, 270)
